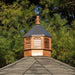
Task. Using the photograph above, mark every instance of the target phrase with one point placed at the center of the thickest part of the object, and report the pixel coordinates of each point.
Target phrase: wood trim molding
(37, 49)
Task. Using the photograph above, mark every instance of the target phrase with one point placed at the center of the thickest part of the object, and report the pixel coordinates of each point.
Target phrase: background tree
(18, 16)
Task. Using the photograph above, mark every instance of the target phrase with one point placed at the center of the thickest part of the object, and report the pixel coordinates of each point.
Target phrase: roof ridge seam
(57, 61)
(43, 66)
(27, 69)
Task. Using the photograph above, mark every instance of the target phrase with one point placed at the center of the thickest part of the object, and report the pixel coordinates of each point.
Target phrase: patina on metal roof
(37, 30)
(37, 66)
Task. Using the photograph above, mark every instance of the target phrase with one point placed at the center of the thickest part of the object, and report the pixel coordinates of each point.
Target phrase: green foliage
(73, 24)
(14, 19)
(62, 38)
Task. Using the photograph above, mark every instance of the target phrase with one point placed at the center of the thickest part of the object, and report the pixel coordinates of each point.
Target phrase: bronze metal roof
(37, 66)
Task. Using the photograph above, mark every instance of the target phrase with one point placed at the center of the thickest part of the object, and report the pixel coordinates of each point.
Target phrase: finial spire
(37, 20)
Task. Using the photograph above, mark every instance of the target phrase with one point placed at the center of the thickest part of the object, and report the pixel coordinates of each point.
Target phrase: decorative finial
(37, 20)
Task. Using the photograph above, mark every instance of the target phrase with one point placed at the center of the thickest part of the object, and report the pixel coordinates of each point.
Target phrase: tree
(15, 20)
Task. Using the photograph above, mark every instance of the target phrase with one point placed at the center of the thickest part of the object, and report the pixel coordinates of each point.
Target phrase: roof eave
(42, 35)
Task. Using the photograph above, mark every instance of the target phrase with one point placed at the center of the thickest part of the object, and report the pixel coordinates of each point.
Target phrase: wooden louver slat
(28, 43)
(46, 43)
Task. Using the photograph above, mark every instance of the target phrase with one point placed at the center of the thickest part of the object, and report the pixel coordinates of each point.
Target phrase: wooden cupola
(37, 42)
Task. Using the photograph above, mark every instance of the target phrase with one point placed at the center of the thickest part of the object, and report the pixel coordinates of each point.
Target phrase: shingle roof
(37, 66)
(37, 30)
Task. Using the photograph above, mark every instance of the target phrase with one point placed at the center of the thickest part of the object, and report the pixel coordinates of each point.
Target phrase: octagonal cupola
(37, 42)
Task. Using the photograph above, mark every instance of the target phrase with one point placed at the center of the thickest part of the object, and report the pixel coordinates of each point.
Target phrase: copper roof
(37, 66)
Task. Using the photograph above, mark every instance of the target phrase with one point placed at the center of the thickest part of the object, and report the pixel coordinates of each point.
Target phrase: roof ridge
(43, 66)
(63, 63)
(28, 69)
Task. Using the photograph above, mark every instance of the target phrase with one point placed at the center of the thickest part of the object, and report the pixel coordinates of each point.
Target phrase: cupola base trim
(37, 53)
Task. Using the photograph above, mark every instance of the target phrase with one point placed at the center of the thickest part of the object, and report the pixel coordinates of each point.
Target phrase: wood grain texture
(45, 43)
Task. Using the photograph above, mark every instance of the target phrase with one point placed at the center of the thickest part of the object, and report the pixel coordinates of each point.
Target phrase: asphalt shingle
(37, 66)
(37, 30)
